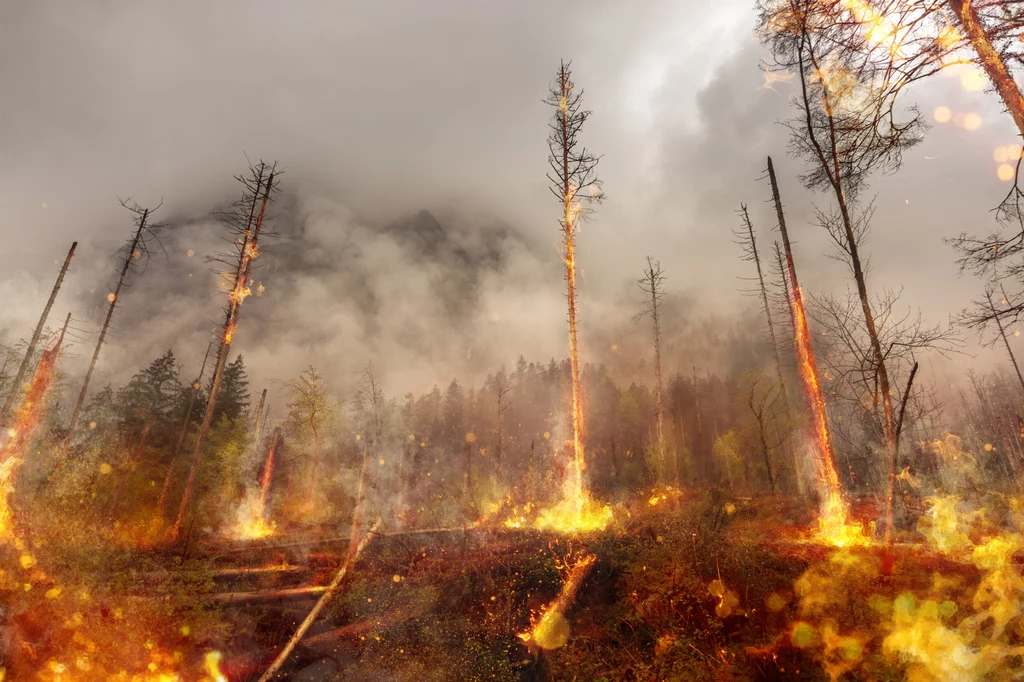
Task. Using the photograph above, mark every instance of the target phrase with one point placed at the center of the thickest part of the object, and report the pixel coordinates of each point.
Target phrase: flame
(834, 526)
(943, 527)
(30, 412)
(211, 664)
(6, 487)
(229, 333)
(551, 630)
(253, 524)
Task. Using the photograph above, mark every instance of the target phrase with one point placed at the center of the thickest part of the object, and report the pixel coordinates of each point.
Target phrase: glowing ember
(551, 630)
(6, 486)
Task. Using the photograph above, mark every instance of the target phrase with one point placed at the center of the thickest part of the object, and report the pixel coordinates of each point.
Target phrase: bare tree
(136, 249)
(848, 129)
(747, 241)
(763, 403)
(574, 182)
(652, 284)
(244, 223)
(310, 411)
(31, 349)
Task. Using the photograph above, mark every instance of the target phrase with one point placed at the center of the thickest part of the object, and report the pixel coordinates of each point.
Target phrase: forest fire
(458, 485)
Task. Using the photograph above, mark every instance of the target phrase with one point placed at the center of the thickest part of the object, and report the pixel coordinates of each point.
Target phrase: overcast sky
(380, 109)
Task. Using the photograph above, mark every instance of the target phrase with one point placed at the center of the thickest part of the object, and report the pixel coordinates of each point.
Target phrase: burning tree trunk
(551, 631)
(30, 351)
(990, 60)
(835, 514)
(747, 241)
(572, 173)
(248, 228)
(136, 248)
(30, 412)
(652, 284)
(161, 506)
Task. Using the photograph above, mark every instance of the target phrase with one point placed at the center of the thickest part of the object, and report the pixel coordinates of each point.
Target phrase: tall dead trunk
(30, 351)
(574, 182)
(990, 60)
(651, 284)
(259, 419)
(248, 251)
(756, 257)
(130, 255)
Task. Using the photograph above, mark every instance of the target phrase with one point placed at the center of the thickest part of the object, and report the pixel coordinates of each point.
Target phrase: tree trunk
(990, 60)
(797, 468)
(30, 351)
(106, 324)
(248, 252)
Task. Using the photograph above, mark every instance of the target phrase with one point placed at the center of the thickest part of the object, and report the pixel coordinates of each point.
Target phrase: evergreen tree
(233, 397)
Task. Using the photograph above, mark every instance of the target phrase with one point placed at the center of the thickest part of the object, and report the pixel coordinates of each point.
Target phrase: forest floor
(699, 587)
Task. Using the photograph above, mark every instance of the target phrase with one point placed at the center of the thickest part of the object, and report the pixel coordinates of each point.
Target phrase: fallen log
(361, 629)
(268, 596)
(315, 611)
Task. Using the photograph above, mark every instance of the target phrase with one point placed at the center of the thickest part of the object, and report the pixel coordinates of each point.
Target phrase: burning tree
(850, 73)
(244, 220)
(30, 350)
(574, 182)
(745, 238)
(136, 249)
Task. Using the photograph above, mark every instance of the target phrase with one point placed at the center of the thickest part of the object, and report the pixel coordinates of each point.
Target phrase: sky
(378, 111)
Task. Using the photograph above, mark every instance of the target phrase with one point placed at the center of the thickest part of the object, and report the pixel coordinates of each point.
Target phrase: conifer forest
(396, 341)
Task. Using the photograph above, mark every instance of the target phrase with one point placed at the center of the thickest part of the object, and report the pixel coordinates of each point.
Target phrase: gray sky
(380, 109)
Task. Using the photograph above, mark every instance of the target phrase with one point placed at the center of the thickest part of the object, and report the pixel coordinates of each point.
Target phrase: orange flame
(834, 526)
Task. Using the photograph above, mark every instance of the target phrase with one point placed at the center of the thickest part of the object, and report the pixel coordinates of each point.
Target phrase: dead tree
(30, 351)
(847, 130)
(136, 249)
(763, 405)
(245, 223)
(503, 405)
(310, 411)
(652, 284)
(259, 419)
(747, 241)
(574, 182)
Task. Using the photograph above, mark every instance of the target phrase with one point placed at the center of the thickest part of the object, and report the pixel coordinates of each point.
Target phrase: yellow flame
(834, 526)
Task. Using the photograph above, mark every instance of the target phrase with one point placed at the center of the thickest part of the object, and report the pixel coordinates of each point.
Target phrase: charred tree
(652, 284)
(245, 222)
(748, 243)
(503, 404)
(136, 249)
(30, 351)
(575, 184)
